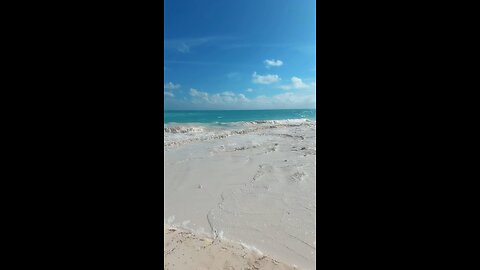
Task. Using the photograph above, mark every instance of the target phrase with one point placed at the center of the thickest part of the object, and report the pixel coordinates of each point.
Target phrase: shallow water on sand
(249, 182)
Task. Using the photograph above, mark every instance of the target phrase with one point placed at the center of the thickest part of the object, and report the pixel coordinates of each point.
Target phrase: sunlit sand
(242, 196)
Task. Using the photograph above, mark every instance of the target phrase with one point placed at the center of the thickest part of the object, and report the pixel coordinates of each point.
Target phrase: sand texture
(247, 185)
(184, 250)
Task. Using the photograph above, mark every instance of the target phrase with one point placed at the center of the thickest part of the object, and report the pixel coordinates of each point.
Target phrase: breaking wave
(175, 135)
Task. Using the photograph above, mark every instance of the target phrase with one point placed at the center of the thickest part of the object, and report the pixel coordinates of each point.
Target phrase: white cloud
(171, 86)
(196, 93)
(273, 63)
(224, 98)
(231, 100)
(297, 83)
(249, 90)
(265, 79)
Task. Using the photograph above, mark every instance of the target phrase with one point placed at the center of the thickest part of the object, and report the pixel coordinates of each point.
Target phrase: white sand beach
(240, 196)
(185, 250)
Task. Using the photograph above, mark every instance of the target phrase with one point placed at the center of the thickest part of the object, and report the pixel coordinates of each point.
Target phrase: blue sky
(242, 54)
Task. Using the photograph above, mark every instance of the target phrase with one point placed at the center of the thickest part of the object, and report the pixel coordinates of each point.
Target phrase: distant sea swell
(222, 117)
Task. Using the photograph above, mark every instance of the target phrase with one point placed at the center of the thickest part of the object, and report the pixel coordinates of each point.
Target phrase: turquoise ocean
(218, 117)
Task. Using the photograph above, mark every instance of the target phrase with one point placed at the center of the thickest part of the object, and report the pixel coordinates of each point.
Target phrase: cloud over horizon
(230, 100)
(297, 83)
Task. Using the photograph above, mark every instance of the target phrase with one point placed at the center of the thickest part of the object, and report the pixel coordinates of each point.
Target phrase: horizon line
(237, 109)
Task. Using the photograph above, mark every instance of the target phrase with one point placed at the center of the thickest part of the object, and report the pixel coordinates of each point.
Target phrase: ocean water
(219, 117)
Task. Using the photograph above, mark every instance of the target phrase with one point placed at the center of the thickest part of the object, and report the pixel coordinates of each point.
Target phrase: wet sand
(184, 250)
(251, 185)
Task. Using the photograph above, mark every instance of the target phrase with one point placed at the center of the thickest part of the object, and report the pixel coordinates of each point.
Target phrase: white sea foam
(219, 236)
(180, 134)
(183, 129)
(252, 248)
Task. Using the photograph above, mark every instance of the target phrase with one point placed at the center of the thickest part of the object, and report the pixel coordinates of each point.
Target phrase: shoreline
(239, 122)
(252, 183)
(201, 252)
